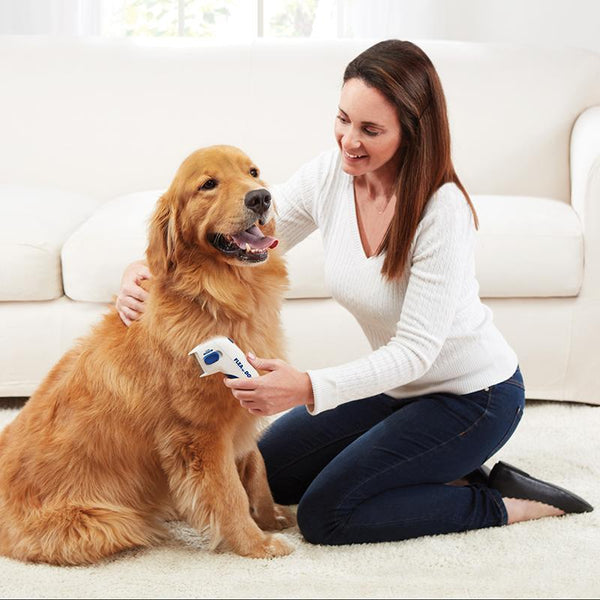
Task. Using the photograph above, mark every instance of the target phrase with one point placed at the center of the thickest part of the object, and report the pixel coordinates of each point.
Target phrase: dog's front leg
(208, 493)
(268, 515)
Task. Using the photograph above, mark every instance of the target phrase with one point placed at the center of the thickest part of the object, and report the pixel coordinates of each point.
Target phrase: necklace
(389, 202)
(371, 203)
(380, 212)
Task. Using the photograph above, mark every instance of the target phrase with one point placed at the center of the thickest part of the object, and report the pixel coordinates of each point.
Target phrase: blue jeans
(377, 469)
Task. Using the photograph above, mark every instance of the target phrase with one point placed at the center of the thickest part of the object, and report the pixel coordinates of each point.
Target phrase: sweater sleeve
(443, 244)
(297, 200)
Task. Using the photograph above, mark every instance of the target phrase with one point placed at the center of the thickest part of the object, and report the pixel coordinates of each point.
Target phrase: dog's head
(218, 206)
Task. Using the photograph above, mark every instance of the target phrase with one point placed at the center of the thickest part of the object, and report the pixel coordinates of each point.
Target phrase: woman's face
(367, 129)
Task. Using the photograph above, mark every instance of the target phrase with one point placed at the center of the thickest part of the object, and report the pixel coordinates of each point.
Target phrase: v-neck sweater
(428, 330)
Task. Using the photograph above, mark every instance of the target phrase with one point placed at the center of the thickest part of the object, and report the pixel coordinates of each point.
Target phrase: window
(216, 19)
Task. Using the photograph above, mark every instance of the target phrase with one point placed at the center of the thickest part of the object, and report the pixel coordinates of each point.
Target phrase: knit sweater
(429, 330)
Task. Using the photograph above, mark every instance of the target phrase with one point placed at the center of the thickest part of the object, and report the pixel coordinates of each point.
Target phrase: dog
(123, 434)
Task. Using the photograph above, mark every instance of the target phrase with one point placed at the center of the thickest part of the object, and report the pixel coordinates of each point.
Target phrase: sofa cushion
(34, 224)
(95, 255)
(526, 247)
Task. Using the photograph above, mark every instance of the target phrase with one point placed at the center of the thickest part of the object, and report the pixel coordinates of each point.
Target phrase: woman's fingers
(143, 273)
(244, 396)
(124, 318)
(134, 291)
(241, 383)
(133, 304)
(251, 407)
(128, 315)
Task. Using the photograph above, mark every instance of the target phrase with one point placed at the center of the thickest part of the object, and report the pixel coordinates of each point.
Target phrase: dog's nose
(258, 201)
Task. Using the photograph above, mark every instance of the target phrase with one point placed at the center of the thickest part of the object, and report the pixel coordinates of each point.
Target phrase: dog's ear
(162, 237)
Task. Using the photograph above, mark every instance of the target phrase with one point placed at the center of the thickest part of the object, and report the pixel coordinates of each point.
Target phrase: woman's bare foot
(525, 510)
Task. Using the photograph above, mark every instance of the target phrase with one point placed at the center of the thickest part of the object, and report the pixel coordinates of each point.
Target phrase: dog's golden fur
(123, 433)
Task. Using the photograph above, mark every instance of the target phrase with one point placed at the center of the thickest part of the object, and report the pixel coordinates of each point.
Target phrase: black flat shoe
(514, 483)
(479, 475)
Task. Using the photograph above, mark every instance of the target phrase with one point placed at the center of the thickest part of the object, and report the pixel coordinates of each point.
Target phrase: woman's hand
(131, 298)
(281, 388)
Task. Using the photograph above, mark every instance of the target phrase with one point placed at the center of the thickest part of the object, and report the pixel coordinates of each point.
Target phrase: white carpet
(548, 558)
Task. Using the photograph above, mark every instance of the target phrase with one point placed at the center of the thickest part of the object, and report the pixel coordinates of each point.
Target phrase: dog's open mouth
(249, 245)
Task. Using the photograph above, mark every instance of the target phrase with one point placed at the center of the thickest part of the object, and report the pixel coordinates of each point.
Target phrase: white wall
(540, 22)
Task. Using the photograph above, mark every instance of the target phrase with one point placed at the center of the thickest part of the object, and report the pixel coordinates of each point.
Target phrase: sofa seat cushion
(34, 224)
(528, 247)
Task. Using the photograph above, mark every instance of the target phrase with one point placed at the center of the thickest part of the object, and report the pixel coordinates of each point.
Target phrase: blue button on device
(211, 358)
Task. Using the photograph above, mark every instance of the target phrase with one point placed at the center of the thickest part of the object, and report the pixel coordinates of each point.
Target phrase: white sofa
(92, 131)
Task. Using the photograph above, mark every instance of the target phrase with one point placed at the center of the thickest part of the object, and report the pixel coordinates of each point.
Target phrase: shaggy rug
(548, 558)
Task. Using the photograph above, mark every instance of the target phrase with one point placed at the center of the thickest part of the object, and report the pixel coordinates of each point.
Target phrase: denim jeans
(378, 469)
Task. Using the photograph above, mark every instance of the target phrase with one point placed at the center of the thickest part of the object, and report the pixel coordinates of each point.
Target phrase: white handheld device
(222, 355)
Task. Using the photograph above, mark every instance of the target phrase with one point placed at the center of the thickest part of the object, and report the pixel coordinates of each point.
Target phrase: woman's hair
(403, 73)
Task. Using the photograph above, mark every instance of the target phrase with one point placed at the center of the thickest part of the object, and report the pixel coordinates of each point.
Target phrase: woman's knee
(316, 520)
(286, 491)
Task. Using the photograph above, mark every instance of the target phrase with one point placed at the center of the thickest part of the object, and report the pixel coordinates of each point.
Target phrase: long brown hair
(405, 75)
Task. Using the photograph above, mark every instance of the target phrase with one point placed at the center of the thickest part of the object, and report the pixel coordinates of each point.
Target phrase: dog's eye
(209, 184)
(254, 172)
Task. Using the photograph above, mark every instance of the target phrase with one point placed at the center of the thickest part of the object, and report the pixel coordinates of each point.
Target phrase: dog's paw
(284, 516)
(272, 547)
(276, 519)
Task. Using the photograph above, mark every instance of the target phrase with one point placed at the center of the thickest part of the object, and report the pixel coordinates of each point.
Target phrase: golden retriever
(123, 433)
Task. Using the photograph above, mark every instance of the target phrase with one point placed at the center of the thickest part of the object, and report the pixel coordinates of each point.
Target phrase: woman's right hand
(131, 297)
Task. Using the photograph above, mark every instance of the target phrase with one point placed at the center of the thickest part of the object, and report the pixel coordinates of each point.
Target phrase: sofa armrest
(585, 193)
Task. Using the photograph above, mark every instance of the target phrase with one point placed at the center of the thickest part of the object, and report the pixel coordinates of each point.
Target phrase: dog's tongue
(255, 238)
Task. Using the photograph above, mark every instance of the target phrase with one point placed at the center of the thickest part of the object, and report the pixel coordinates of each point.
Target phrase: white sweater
(429, 330)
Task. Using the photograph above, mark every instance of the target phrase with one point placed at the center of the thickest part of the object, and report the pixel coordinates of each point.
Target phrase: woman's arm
(297, 200)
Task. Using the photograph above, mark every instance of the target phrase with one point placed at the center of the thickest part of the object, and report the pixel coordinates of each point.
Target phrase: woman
(374, 450)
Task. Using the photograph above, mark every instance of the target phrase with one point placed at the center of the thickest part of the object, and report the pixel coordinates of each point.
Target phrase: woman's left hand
(281, 388)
